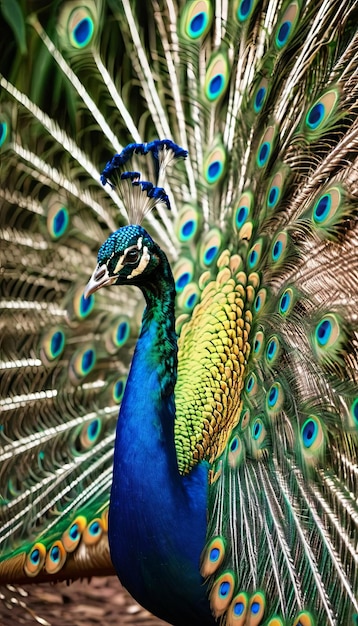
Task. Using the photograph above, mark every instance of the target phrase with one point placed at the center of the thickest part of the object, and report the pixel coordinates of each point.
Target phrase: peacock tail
(260, 99)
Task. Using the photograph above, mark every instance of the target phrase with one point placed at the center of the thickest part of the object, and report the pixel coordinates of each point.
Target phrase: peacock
(179, 339)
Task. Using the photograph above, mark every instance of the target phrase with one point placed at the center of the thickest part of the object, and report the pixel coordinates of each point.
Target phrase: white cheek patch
(142, 264)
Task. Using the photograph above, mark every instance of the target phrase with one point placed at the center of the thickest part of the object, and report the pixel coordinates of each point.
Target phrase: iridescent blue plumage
(157, 517)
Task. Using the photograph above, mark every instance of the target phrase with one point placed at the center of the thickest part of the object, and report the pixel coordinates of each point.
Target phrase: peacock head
(127, 257)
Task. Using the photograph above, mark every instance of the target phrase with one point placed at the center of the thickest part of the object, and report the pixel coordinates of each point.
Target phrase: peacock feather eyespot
(82, 307)
(94, 529)
(251, 384)
(222, 593)
(276, 188)
(244, 9)
(210, 248)
(35, 556)
(93, 532)
(260, 95)
(258, 344)
(214, 165)
(236, 453)
(324, 331)
(118, 390)
(279, 247)
(196, 19)
(52, 345)
(263, 154)
(182, 281)
(4, 132)
(259, 99)
(275, 621)
(257, 607)
(237, 611)
(243, 211)
(254, 255)
(183, 273)
(312, 438)
(322, 208)
(188, 230)
(320, 114)
(56, 557)
(189, 297)
(87, 361)
(58, 219)
(286, 302)
(258, 440)
(217, 77)
(88, 434)
(272, 350)
(82, 363)
(213, 556)
(286, 25)
(74, 532)
(72, 536)
(187, 224)
(274, 398)
(260, 300)
(273, 196)
(328, 336)
(35, 560)
(266, 147)
(80, 27)
(257, 429)
(117, 335)
(328, 211)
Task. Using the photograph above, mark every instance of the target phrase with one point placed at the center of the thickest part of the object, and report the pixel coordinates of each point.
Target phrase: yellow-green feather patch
(213, 350)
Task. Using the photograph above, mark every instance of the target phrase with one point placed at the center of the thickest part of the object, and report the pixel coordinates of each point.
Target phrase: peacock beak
(100, 278)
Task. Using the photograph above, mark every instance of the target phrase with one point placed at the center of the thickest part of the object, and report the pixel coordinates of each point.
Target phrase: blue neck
(157, 520)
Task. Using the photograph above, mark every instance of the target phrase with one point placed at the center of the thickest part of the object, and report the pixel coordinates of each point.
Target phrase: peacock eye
(132, 256)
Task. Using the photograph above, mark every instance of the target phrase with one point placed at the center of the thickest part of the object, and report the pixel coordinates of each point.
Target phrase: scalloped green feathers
(216, 358)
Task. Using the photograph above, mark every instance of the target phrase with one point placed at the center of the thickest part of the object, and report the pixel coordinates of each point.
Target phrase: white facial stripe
(119, 264)
(143, 263)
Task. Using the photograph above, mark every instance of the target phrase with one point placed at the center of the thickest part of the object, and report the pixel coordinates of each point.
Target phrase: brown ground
(102, 602)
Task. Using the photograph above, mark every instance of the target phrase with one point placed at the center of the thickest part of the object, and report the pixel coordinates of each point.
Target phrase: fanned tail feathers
(262, 235)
